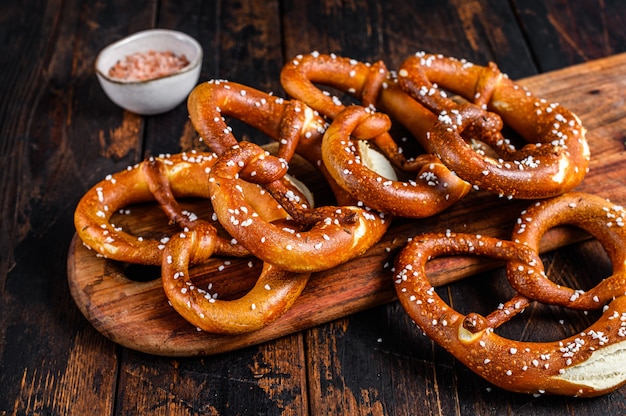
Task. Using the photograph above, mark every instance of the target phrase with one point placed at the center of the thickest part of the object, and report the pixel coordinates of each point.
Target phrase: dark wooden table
(60, 135)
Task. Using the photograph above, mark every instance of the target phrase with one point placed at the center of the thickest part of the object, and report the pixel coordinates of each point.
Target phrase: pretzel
(272, 295)
(296, 127)
(371, 84)
(163, 179)
(555, 157)
(586, 364)
(434, 189)
(333, 235)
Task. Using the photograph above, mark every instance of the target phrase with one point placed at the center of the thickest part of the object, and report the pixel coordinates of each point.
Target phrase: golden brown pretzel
(295, 126)
(434, 189)
(555, 158)
(273, 294)
(335, 235)
(162, 179)
(586, 364)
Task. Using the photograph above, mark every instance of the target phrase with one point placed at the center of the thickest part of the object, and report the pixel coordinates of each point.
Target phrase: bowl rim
(184, 37)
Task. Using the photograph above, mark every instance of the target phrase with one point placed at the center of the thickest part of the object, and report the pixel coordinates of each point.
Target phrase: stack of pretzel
(456, 112)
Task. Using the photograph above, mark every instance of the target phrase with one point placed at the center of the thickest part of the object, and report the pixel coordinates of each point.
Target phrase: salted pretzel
(272, 295)
(555, 157)
(159, 179)
(295, 126)
(330, 236)
(164, 179)
(589, 363)
(434, 189)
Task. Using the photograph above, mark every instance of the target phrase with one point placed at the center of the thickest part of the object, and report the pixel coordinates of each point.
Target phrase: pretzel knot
(587, 364)
(435, 187)
(333, 235)
(555, 157)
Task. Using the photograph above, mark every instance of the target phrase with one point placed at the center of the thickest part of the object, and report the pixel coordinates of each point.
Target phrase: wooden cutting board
(127, 304)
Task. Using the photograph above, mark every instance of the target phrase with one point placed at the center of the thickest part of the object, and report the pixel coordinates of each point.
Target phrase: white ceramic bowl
(153, 96)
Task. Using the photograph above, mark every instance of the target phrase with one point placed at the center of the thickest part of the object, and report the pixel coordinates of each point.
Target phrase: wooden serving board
(127, 304)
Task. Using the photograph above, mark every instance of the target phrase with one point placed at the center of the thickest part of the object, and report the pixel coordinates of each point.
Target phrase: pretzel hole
(482, 291)
(408, 146)
(148, 221)
(245, 132)
(225, 277)
(141, 273)
(592, 263)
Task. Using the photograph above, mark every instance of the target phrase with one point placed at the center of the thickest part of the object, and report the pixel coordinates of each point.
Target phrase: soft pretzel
(186, 175)
(589, 363)
(333, 236)
(555, 158)
(273, 294)
(295, 126)
(434, 189)
(162, 178)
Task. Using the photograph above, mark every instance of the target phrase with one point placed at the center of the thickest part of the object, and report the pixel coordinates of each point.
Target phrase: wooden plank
(117, 306)
(392, 30)
(52, 361)
(566, 33)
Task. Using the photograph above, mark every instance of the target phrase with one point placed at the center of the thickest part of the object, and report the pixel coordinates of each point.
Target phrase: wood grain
(135, 314)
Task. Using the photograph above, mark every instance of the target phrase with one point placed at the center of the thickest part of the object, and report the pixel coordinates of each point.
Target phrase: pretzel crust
(555, 158)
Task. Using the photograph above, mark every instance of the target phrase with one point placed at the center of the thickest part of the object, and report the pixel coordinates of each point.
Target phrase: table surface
(60, 135)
